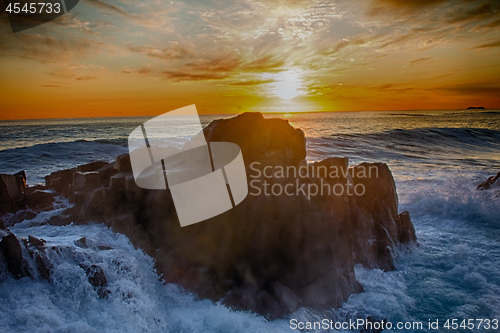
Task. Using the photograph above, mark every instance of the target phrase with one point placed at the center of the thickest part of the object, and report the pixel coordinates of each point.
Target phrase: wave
(436, 137)
(42, 159)
(135, 300)
(425, 147)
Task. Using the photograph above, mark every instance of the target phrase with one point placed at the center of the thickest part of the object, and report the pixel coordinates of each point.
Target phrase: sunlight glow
(288, 85)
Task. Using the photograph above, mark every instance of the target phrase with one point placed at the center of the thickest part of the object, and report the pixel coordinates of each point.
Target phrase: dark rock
(86, 181)
(486, 185)
(270, 254)
(97, 279)
(82, 242)
(375, 215)
(65, 218)
(12, 192)
(406, 230)
(93, 166)
(30, 189)
(13, 254)
(269, 141)
(61, 181)
(17, 217)
(43, 265)
(33, 241)
(40, 201)
(123, 164)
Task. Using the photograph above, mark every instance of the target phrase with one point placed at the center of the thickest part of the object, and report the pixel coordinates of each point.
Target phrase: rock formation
(486, 185)
(271, 254)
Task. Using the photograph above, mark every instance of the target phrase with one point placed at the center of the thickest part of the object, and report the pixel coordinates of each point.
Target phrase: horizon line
(236, 113)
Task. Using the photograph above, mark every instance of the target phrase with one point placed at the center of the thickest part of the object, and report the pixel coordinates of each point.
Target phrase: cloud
(51, 85)
(86, 78)
(250, 82)
(166, 53)
(47, 49)
(419, 60)
(486, 88)
(476, 13)
(185, 76)
(110, 7)
(487, 45)
(145, 70)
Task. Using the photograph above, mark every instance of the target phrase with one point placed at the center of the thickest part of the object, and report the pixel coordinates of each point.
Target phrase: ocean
(437, 158)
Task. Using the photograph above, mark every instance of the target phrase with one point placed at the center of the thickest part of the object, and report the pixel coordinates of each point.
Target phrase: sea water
(437, 158)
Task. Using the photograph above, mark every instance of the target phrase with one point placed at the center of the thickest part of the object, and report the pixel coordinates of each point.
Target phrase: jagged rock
(123, 164)
(406, 230)
(375, 215)
(13, 254)
(84, 244)
(97, 279)
(271, 254)
(17, 217)
(12, 192)
(65, 218)
(43, 265)
(33, 241)
(30, 189)
(269, 141)
(86, 181)
(486, 185)
(93, 166)
(60, 181)
(40, 201)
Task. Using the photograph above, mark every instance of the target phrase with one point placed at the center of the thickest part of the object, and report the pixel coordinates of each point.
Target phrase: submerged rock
(97, 279)
(486, 185)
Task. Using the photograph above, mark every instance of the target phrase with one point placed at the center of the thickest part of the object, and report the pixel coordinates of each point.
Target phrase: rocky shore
(271, 254)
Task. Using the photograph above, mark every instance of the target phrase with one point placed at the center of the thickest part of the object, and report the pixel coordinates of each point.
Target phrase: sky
(135, 57)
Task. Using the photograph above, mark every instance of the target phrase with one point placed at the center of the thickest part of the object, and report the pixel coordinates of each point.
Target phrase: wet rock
(43, 265)
(375, 215)
(86, 181)
(13, 254)
(40, 201)
(97, 279)
(31, 189)
(65, 218)
(61, 181)
(123, 163)
(93, 166)
(269, 141)
(19, 216)
(406, 230)
(82, 242)
(38, 243)
(12, 192)
(486, 185)
(270, 254)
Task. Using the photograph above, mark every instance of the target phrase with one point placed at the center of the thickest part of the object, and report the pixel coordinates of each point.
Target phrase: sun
(287, 85)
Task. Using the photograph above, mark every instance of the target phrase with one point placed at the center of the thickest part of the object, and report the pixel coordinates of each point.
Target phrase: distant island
(476, 108)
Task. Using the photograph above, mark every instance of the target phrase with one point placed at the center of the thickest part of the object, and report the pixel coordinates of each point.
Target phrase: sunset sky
(138, 57)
